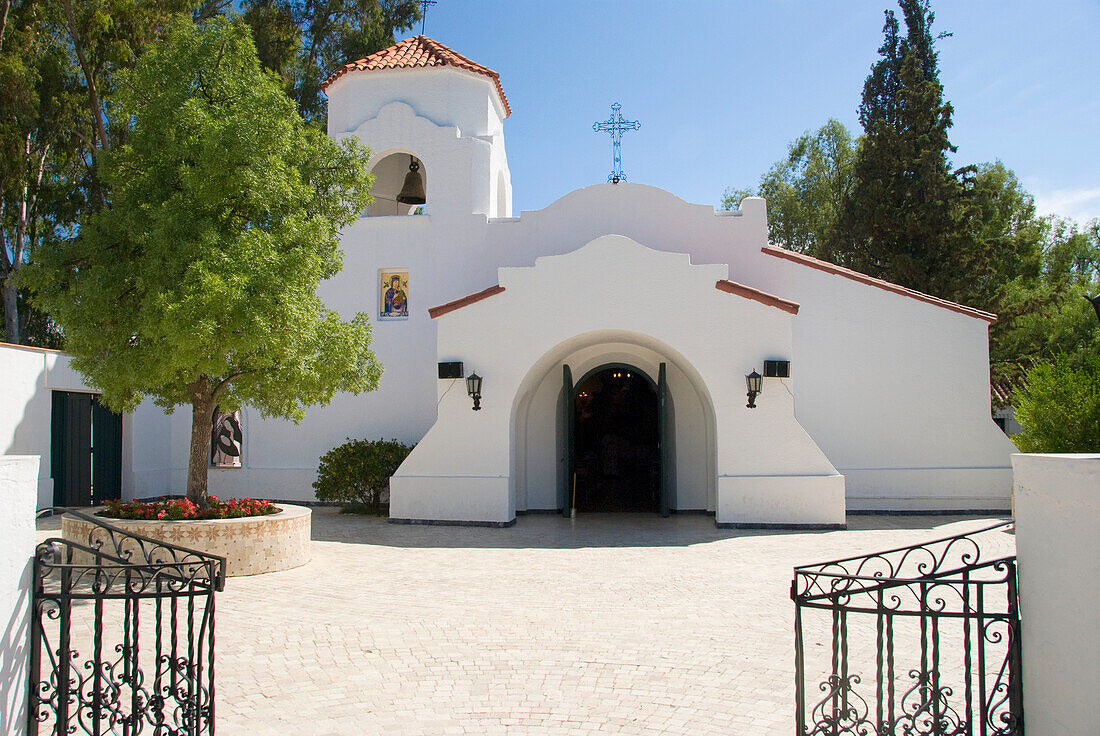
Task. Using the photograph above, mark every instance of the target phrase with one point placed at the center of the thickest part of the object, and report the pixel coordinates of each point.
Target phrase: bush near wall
(1059, 406)
(357, 473)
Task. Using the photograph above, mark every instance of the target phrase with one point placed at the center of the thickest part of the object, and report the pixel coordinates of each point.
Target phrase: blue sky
(721, 88)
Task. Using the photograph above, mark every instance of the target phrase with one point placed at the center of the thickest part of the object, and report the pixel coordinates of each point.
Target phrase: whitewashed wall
(616, 299)
(1058, 553)
(18, 496)
(893, 390)
(28, 377)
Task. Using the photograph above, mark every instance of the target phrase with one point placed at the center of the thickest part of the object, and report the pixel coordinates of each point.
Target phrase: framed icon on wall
(394, 294)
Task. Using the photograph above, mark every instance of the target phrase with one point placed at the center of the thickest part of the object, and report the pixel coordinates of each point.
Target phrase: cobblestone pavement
(608, 624)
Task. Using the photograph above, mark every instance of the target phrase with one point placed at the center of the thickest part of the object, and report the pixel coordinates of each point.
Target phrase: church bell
(413, 191)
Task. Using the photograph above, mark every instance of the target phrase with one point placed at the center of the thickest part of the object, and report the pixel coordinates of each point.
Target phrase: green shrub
(357, 472)
(1059, 406)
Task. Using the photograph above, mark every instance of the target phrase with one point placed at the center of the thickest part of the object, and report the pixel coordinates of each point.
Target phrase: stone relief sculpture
(226, 439)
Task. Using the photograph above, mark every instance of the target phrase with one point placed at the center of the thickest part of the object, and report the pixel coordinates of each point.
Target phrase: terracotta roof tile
(443, 309)
(419, 51)
(863, 278)
(732, 287)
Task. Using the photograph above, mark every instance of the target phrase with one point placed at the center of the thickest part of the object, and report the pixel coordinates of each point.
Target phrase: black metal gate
(122, 635)
(916, 640)
(86, 454)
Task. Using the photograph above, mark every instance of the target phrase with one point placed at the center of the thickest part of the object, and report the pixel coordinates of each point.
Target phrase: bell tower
(434, 121)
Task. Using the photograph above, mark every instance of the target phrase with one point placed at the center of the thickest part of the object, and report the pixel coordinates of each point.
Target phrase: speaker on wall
(777, 369)
(450, 370)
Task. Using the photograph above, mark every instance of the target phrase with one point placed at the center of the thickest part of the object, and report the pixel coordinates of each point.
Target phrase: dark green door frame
(85, 451)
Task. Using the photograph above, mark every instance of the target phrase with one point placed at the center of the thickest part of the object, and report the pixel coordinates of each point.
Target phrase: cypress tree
(900, 220)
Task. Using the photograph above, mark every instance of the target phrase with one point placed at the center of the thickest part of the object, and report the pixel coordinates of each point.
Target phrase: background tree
(304, 41)
(197, 284)
(805, 191)
(1059, 406)
(900, 218)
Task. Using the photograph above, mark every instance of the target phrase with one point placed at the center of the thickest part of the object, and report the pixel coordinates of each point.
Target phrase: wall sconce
(755, 382)
(473, 388)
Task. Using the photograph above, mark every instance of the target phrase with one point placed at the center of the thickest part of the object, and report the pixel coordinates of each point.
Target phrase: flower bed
(250, 544)
(177, 509)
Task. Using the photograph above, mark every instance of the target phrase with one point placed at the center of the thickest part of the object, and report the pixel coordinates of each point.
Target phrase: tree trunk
(202, 410)
(11, 312)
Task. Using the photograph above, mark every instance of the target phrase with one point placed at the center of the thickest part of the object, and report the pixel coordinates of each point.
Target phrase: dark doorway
(86, 450)
(615, 442)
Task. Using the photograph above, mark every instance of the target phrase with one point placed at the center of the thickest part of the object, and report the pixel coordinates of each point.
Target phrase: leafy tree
(806, 190)
(1044, 317)
(59, 61)
(304, 41)
(1059, 406)
(197, 284)
(900, 220)
(37, 83)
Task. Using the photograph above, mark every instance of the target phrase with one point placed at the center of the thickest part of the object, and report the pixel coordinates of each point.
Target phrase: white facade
(29, 376)
(887, 406)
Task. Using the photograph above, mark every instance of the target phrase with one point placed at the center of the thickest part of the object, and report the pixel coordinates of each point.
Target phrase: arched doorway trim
(534, 477)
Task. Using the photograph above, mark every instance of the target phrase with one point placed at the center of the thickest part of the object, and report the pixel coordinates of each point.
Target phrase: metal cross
(616, 125)
(424, 5)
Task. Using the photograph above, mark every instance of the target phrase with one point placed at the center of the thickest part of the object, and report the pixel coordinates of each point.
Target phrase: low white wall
(18, 495)
(1058, 550)
(781, 501)
(28, 377)
(464, 499)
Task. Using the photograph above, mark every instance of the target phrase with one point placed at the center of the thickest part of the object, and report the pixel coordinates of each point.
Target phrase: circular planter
(250, 545)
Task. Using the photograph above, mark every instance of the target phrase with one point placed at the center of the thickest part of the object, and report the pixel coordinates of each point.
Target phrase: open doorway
(616, 456)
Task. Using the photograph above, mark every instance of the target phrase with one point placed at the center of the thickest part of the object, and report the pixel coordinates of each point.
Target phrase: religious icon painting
(394, 295)
(226, 439)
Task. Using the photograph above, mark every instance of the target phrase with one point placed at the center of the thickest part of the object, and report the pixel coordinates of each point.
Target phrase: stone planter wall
(250, 545)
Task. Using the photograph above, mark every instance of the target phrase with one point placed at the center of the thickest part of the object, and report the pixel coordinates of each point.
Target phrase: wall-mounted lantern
(755, 382)
(473, 388)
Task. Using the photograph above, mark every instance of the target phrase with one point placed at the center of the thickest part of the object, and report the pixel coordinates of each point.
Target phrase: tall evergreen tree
(901, 218)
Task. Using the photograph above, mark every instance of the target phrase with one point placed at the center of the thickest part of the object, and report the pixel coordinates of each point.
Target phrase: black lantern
(413, 191)
(755, 381)
(473, 388)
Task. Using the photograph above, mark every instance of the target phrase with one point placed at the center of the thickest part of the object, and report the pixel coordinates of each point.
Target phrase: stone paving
(607, 624)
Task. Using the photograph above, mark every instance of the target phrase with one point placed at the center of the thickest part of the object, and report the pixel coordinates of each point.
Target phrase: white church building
(614, 332)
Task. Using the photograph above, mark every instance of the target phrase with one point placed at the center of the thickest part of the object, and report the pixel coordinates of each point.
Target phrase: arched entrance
(542, 470)
(617, 438)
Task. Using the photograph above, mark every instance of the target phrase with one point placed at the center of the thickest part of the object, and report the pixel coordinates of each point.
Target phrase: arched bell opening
(400, 186)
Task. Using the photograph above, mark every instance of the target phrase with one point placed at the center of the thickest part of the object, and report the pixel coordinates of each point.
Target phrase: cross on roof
(616, 125)
(424, 5)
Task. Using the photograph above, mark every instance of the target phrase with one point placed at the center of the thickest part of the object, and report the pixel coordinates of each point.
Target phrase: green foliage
(197, 284)
(1059, 406)
(304, 41)
(358, 472)
(901, 218)
(805, 191)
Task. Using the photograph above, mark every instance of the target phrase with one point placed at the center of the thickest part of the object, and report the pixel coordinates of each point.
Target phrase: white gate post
(18, 499)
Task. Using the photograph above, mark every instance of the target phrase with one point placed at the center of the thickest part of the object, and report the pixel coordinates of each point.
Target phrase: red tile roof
(419, 51)
(732, 287)
(464, 301)
(863, 278)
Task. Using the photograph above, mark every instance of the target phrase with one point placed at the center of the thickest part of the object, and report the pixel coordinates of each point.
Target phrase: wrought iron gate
(122, 635)
(916, 640)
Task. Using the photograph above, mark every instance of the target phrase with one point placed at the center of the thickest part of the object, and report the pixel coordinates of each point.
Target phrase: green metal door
(666, 445)
(106, 453)
(86, 450)
(565, 495)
